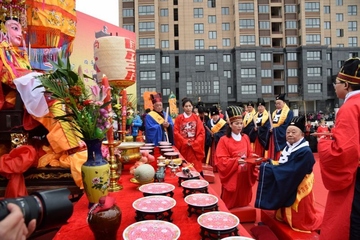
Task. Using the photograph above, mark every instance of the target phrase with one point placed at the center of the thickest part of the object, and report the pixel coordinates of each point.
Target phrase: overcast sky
(106, 10)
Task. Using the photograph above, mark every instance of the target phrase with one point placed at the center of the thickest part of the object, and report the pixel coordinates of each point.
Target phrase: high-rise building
(232, 51)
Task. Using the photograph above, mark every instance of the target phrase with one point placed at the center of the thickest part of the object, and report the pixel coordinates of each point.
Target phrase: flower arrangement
(83, 104)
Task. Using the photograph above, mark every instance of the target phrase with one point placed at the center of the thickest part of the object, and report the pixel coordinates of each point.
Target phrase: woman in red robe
(237, 177)
(339, 160)
(189, 135)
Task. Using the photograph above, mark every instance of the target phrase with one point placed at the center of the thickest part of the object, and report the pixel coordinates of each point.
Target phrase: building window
(327, 25)
(312, 22)
(226, 42)
(225, 11)
(291, 40)
(213, 66)
(198, 0)
(211, 19)
(339, 17)
(248, 72)
(329, 72)
(164, 12)
(247, 40)
(146, 26)
(266, 89)
(314, 88)
(313, 55)
(199, 60)
(352, 26)
(199, 43)
(340, 45)
(165, 60)
(211, 3)
(292, 88)
(328, 57)
(246, 7)
(227, 73)
(225, 26)
(216, 87)
(212, 47)
(265, 41)
(164, 43)
(147, 75)
(229, 90)
(146, 42)
(265, 57)
(247, 56)
(166, 91)
(198, 28)
(164, 27)
(353, 42)
(143, 90)
(247, 23)
(340, 63)
(292, 72)
(290, 9)
(189, 88)
(212, 34)
(291, 25)
(352, 10)
(266, 73)
(248, 89)
(292, 56)
(226, 58)
(339, 2)
(339, 32)
(129, 27)
(264, 25)
(314, 72)
(312, 7)
(165, 76)
(146, 10)
(198, 12)
(327, 41)
(263, 8)
(147, 59)
(327, 9)
(313, 39)
(128, 13)
(353, 55)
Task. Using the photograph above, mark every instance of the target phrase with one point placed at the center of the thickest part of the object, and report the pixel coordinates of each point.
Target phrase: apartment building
(233, 51)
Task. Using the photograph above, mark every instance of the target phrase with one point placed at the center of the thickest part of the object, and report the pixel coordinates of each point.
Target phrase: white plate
(195, 184)
(165, 143)
(159, 188)
(153, 230)
(218, 220)
(201, 199)
(237, 238)
(153, 204)
(182, 175)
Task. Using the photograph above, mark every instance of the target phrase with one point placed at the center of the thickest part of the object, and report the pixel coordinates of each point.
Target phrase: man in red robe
(339, 159)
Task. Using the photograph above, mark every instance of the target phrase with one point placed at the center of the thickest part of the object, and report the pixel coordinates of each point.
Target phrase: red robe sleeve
(339, 158)
(13, 165)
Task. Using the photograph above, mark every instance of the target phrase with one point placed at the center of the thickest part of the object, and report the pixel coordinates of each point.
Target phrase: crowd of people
(228, 140)
(285, 144)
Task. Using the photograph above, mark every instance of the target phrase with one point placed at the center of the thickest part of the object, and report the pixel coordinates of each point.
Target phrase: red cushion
(263, 232)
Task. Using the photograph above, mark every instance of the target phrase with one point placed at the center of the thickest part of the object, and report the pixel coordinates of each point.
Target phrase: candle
(110, 132)
(123, 111)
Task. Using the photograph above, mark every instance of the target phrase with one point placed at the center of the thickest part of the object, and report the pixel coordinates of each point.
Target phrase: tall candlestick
(110, 132)
(123, 112)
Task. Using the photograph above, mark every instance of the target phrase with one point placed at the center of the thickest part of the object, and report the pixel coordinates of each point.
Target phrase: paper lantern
(115, 57)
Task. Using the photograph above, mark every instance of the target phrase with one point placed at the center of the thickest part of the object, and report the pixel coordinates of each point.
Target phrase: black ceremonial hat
(261, 102)
(298, 122)
(281, 97)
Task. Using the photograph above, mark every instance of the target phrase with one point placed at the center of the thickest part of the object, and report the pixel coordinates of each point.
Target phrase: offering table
(77, 227)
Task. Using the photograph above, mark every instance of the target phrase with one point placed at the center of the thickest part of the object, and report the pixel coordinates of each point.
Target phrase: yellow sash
(284, 112)
(157, 117)
(264, 118)
(249, 118)
(216, 128)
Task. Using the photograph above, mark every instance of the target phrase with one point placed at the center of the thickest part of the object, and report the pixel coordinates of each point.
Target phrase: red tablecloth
(77, 227)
